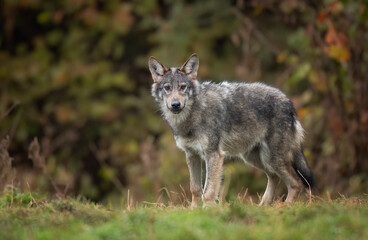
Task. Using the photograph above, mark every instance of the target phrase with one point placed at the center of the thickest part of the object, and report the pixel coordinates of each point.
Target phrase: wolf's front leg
(194, 165)
(214, 165)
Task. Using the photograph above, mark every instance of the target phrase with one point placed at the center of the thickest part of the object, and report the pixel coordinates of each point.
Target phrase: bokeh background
(75, 90)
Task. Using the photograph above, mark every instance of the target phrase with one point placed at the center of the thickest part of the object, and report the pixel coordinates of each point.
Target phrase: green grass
(22, 217)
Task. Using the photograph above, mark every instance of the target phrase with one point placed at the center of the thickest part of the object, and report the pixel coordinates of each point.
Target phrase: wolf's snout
(175, 105)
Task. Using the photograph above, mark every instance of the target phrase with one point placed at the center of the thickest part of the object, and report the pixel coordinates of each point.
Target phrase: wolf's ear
(190, 67)
(157, 69)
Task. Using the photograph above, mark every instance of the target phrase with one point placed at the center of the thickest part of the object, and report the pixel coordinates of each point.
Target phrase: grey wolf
(212, 122)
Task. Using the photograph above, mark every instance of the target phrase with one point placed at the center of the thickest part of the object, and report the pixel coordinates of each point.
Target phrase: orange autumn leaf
(335, 7)
(321, 17)
(335, 37)
(64, 114)
(282, 56)
(302, 112)
(364, 117)
(336, 42)
(331, 35)
(342, 38)
(258, 10)
(339, 53)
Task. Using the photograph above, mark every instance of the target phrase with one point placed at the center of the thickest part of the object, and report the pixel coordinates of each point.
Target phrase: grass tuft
(28, 216)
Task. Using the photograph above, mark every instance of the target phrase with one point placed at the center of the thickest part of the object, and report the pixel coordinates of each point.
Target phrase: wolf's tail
(302, 169)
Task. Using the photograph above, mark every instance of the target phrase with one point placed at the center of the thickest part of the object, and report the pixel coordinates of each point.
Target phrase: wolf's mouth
(176, 111)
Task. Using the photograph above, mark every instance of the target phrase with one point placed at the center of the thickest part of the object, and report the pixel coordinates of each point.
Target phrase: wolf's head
(174, 87)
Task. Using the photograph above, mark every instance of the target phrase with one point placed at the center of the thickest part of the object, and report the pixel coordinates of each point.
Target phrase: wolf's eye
(183, 87)
(167, 87)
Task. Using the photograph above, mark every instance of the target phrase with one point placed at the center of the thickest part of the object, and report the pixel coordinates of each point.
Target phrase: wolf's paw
(209, 203)
(194, 205)
(264, 203)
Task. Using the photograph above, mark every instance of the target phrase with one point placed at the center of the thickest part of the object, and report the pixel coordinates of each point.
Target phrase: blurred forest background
(75, 89)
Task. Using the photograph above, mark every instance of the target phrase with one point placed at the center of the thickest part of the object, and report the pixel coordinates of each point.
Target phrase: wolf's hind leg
(194, 165)
(270, 189)
(293, 183)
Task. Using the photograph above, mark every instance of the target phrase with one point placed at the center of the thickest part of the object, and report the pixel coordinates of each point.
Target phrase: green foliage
(15, 197)
(75, 87)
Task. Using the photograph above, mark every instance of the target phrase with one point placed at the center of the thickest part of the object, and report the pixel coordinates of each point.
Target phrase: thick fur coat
(212, 122)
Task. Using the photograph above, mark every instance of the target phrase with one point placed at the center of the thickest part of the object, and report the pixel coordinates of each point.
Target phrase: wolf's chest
(195, 144)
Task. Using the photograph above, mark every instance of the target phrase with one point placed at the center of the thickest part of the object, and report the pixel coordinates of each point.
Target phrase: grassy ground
(22, 217)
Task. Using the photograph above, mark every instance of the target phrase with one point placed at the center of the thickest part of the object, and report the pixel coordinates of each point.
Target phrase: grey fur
(212, 122)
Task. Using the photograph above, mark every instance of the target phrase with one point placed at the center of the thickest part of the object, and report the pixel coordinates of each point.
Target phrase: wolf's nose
(175, 104)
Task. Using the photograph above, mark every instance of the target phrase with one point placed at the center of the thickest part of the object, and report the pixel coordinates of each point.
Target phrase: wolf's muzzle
(175, 107)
